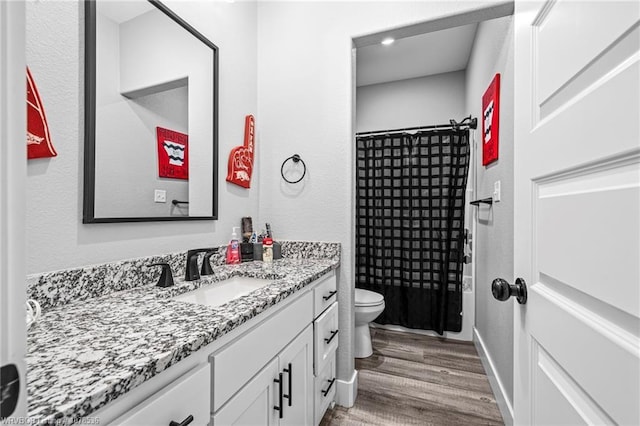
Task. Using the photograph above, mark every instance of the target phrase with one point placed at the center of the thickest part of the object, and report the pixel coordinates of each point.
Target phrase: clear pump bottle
(233, 249)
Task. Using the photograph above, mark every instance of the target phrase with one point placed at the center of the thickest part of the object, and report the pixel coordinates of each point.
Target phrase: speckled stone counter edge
(58, 288)
(83, 357)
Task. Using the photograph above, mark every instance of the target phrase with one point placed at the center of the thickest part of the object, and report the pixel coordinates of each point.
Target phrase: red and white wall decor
(241, 157)
(173, 154)
(491, 121)
(38, 139)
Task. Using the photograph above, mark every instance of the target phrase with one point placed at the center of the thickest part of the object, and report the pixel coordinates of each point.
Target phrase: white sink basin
(219, 293)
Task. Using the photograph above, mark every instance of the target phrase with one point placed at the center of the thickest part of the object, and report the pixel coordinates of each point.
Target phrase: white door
(12, 208)
(577, 212)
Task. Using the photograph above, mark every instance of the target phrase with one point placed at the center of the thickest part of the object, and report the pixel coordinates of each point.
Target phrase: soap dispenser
(233, 249)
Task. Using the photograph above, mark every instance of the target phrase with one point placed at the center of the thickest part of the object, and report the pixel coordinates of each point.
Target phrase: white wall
(155, 51)
(56, 237)
(408, 103)
(125, 137)
(305, 100)
(493, 53)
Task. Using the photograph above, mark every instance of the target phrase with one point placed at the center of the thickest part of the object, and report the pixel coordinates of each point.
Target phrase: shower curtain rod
(468, 122)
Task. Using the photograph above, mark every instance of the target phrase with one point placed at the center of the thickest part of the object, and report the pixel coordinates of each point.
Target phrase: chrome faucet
(191, 271)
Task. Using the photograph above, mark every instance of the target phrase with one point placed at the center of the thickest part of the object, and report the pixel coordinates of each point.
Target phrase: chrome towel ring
(295, 158)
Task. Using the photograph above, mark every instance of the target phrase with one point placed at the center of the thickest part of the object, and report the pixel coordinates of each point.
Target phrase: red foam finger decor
(241, 157)
(38, 139)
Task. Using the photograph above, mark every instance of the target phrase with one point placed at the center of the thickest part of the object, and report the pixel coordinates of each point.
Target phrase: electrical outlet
(496, 191)
(160, 196)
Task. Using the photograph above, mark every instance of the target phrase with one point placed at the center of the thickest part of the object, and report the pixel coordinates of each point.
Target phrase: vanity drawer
(325, 330)
(324, 294)
(188, 395)
(324, 390)
(236, 364)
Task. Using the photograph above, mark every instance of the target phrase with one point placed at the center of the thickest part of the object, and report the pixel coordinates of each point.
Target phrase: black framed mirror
(151, 115)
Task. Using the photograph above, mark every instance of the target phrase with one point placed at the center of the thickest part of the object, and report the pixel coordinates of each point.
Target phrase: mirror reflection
(151, 95)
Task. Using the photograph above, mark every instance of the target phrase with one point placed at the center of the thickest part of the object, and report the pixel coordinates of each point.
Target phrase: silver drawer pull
(326, 391)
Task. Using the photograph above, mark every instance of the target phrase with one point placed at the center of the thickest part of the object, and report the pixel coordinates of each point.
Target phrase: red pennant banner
(38, 139)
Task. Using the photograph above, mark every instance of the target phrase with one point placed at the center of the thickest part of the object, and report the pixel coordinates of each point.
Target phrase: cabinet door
(189, 395)
(296, 362)
(254, 404)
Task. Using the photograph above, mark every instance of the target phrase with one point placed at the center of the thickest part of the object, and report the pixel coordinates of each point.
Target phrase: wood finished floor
(419, 380)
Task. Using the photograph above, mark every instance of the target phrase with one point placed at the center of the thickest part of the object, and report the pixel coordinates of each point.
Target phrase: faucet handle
(191, 271)
(166, 278)
(206, 263)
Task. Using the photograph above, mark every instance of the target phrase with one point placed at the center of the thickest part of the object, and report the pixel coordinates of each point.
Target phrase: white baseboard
(505, 406)
(347, 391)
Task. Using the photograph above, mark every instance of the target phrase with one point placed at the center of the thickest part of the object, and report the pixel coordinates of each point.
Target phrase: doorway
(486, 47)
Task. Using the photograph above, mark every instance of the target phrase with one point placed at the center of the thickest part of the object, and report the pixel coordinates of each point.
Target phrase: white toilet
(368, 305)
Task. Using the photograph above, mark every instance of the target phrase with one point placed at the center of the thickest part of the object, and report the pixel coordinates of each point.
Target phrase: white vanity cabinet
(280, 394)
(325, 329)
(276, 369)
(244, 380)
(303, 372)
(186, 396)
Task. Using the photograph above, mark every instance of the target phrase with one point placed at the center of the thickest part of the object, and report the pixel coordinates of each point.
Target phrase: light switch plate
(496, 191)
(160, 196)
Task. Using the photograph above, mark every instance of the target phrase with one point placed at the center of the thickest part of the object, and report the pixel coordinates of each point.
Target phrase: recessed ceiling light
(387, 41)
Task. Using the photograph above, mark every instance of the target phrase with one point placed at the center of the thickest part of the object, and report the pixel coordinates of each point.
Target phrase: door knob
(502, 290)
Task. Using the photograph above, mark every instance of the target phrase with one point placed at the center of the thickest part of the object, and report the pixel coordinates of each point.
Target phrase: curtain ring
(296, 158)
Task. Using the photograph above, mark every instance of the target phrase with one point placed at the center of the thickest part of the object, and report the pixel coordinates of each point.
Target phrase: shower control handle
(502, 290)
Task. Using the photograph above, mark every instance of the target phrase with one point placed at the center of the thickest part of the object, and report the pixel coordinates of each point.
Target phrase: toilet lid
(368, 298)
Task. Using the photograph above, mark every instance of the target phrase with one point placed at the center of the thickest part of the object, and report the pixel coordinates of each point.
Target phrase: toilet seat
(368, 298)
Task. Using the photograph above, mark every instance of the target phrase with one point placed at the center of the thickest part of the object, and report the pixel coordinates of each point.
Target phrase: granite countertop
(87, 353)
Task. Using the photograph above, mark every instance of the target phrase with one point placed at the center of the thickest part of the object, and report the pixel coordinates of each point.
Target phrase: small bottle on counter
(267, 250)
(233, 249)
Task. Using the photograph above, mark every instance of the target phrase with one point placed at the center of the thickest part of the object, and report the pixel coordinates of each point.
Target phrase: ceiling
(417, 56)
(120, 12)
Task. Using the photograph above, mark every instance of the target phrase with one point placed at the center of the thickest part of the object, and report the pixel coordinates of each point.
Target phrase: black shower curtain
(410, 200)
